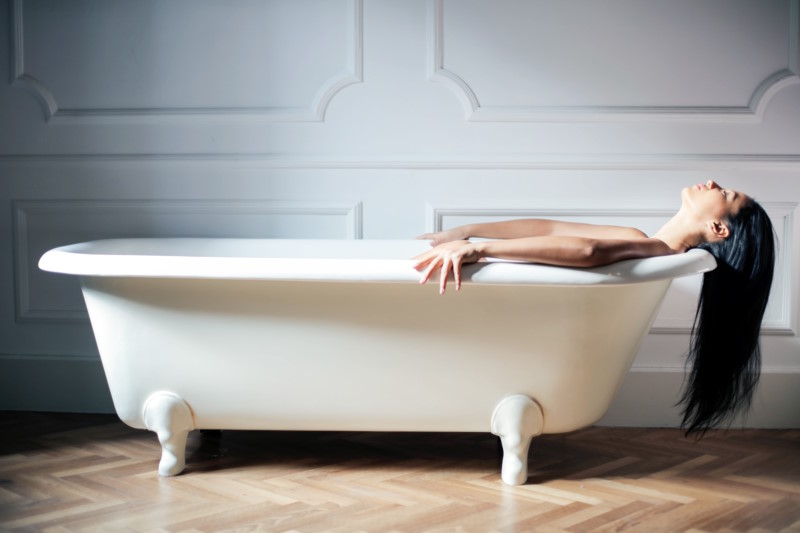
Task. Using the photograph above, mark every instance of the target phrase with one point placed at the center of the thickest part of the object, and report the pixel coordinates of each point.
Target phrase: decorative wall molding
(23, 210)
(753, 112)
(781, 213)
(315, 112)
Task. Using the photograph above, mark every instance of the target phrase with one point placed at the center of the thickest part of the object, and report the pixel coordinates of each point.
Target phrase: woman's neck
(680, 233)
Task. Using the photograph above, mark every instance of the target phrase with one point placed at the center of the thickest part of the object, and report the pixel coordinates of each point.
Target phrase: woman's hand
(441, 237)
(448, 256)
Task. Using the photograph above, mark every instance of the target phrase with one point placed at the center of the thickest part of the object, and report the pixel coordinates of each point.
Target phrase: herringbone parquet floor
(63, 472)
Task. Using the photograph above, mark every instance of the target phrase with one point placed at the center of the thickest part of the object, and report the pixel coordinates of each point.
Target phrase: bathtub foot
(170, 417)
(516, 420)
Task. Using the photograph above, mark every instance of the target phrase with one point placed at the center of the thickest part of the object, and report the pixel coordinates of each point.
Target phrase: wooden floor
(63, 472)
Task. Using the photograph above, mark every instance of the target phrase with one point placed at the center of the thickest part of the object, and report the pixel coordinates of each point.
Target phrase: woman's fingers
(428, 271)
(446, 262)
(430, 264)
(424, 258)
(434, 238)
(419, 262)
(441, 237)
(449, 257)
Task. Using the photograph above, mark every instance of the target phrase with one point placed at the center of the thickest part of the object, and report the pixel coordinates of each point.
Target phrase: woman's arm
(551, 250)
(532, 227)
(568, 250)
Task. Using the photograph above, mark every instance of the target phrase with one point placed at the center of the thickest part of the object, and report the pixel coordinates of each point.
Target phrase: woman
(724, 351)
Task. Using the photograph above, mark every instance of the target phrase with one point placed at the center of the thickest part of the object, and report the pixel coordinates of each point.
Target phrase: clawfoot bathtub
(338, 335)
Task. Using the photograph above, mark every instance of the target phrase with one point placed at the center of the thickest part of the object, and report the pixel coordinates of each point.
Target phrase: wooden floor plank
(62, 472)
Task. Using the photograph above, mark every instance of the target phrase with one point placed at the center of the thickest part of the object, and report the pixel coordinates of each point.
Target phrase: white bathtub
(339, 335)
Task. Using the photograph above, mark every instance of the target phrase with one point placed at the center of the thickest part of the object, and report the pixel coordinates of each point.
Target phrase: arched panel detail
(351, 73)
(470, 100)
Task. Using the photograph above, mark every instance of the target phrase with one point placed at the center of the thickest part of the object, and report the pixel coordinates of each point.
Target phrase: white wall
(383, 119)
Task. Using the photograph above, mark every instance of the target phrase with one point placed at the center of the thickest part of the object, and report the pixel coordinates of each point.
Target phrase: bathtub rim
(97, 258)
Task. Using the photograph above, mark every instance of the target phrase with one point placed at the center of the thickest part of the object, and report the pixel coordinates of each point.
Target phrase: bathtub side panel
(366, 356)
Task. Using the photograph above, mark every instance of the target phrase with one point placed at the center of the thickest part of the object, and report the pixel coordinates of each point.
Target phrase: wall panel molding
(779, 319)
(315, 112)
(474, 111)
(27, 244)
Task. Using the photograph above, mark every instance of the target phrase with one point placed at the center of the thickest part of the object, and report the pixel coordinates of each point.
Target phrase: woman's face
(709, 201)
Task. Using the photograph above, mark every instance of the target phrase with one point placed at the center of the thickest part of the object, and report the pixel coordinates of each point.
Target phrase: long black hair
(725, 353)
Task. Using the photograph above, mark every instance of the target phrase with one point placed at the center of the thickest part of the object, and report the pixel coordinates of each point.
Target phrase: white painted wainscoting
(385, 119)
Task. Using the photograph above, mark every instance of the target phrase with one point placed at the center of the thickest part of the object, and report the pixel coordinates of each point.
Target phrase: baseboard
(648, 398)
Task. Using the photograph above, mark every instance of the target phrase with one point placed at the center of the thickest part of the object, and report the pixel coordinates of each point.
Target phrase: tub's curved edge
(78, 260)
